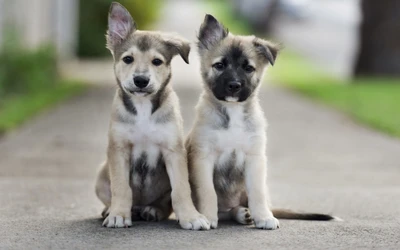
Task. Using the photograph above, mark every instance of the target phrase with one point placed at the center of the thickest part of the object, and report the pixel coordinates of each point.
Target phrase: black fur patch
(160, 96)
(290, 215)
(141, 168)
(320, 217)
(235, 53)
(234, 61)
(127, 102)
(229, 177)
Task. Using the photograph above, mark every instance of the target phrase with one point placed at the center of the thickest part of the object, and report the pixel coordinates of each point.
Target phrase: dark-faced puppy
(232, 66)
(146, 168)
(227, 144)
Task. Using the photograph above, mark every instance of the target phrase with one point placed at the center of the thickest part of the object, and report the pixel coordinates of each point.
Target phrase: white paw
(243, 216)
(117, 221)
(269, 223)
(214, 224)
(195, 222)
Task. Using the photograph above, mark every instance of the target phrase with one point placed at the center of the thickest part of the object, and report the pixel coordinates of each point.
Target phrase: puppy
(145, 174)
(227, 144)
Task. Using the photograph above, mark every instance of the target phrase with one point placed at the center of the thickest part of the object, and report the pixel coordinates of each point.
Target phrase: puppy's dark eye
(249, 68)
(157, 62)
(127, 59)
(219, 66)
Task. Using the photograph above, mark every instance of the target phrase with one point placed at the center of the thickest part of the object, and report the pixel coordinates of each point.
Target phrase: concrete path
(319, 161)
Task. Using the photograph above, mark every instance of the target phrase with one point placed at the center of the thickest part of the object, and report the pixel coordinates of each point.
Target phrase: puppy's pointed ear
(267, 50)
(178, 45)
(120, 25)
(211, 32)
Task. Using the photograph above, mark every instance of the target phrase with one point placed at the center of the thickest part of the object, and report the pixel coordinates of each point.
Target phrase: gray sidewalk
(319, 160)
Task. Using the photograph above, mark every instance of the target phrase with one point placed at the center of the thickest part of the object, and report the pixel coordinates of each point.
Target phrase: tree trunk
(379, 53)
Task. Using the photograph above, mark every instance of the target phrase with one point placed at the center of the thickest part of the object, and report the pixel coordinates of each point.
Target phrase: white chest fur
(144, 132)
(238, 137)
(240, 134)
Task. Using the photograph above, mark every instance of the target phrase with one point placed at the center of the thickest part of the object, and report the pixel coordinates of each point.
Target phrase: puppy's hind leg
(241, 215)
(103, 189)
(158, 210)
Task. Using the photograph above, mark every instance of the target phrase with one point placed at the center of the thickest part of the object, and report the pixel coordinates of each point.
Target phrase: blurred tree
(260, 14)
(379, 39)
(93, 22)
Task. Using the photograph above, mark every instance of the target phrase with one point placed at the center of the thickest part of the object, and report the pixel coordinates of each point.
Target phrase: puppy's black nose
(141, 81)
(234, 87)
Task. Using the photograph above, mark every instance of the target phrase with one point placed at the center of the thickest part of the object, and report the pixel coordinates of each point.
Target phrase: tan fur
(146, 166)
(227, 144)
(204, 151)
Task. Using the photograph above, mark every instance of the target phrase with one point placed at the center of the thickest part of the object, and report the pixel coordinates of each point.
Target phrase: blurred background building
(41, 22)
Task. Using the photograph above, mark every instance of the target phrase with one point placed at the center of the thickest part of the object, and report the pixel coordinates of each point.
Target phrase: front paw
(195, 221)
(213, 221)
(269, 224)
(117, 220)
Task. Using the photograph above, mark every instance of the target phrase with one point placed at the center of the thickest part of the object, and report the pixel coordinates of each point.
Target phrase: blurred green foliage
(23, 70)
(93, 22)
(29, 81)
(374, 101)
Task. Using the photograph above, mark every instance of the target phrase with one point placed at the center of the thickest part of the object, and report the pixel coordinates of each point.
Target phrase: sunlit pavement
(319, 160)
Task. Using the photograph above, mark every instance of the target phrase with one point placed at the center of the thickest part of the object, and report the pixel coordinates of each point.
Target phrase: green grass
(16, 109)
(373, 101)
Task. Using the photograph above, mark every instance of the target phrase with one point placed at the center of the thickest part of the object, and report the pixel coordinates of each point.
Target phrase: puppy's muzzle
(233, 87)
(141, 81)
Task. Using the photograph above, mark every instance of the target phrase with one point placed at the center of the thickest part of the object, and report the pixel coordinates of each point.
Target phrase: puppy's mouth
(231, 98)
(139, 92)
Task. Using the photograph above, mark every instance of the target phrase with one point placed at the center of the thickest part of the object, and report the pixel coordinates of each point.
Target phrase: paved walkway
(319, 161)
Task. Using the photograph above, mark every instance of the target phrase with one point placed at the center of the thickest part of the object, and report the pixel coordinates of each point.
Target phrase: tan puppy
(146, 167)
(227, 144)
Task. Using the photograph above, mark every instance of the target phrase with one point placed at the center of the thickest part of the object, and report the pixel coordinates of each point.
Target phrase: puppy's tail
(290, 215)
